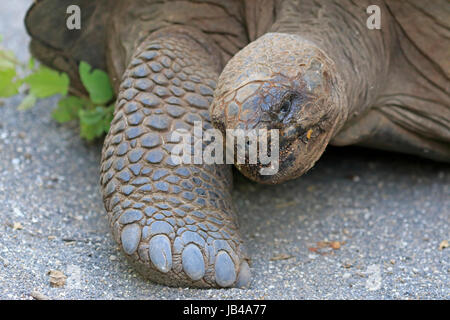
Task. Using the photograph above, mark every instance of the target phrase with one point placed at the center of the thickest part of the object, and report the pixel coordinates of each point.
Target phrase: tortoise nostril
(218, 124)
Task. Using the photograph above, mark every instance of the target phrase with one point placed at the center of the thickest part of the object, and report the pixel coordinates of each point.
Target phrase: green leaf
(92, 123)
(46, 82)
(28, 102)
(109, 113)
(7, 60)
(68, 109)
(31, 63)
(8, 87)
(96, 83)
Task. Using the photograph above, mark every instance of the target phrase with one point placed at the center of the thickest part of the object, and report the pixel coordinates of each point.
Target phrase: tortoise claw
(224, 270)
(193, 263)
(161, 253)
(244, 278)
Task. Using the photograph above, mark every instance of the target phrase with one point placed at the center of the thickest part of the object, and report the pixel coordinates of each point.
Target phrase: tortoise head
(285, 83)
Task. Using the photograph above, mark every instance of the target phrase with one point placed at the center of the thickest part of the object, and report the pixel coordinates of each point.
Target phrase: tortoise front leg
(176, 223)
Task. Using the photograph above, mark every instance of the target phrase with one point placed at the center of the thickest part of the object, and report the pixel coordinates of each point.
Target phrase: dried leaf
(39, 296)
(322, 244)
(444, 244)
(281, 256)
(17, 226)
(285, 204)
(57, 278)
(335, 245)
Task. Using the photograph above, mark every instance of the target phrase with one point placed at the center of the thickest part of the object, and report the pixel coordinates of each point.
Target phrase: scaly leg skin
(175, 223)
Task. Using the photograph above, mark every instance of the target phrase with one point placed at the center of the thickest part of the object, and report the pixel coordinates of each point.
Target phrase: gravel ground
(388, 213)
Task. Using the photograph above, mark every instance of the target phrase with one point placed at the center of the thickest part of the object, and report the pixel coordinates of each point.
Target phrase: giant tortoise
(312, 69)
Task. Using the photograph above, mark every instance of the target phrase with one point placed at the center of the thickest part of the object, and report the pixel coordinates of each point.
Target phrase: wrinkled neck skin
(319, 56)
(339, 28)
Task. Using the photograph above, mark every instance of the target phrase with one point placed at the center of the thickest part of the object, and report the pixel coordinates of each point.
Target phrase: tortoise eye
(285, 106)
(286, 103)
